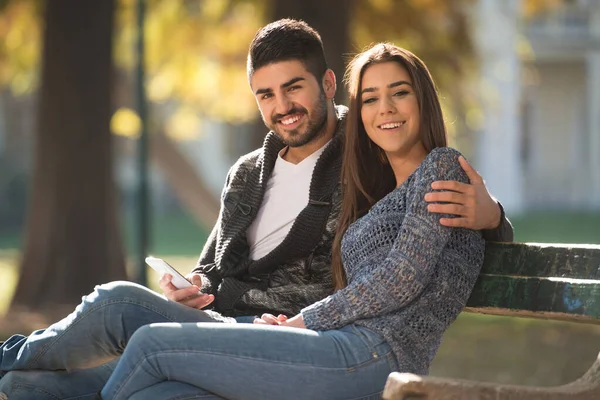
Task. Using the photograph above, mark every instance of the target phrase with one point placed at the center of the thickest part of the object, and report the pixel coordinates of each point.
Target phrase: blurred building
(539, 143)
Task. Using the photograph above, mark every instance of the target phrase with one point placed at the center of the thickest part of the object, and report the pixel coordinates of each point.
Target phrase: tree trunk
(72, 238)
(331, 18)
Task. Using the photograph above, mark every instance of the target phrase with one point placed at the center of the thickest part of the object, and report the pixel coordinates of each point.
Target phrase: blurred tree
(72, 239)
(196, 52)
(330, 18)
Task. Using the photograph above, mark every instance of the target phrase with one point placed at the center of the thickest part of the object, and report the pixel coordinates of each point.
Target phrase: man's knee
(119, 291)
(14, 381)
(50, 385)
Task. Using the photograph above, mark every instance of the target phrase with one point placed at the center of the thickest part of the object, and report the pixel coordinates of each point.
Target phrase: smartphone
(162, 267)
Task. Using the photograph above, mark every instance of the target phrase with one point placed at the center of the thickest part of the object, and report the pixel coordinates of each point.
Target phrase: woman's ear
(329, 84)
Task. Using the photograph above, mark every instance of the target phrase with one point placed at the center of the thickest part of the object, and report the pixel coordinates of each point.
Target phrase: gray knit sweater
(408, 276)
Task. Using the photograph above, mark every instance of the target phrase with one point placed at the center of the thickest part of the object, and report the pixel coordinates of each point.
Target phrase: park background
(104, 159)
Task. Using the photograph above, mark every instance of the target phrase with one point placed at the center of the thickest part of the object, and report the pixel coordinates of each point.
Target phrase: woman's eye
(401, 93)
(369, 100)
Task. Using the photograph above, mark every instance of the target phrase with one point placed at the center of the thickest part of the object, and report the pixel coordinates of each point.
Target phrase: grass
(8, 282)
(557, 227)
(174, 234)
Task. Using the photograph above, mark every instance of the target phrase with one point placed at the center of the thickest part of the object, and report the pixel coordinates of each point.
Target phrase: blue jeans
(56, 385)
(171, 361)
(95, 333)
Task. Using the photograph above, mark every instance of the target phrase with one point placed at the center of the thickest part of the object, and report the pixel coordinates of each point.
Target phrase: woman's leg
(97, 331)
(254, 361)
(172, 390)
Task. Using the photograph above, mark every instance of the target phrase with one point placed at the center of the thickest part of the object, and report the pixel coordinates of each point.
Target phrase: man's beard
(315, 128)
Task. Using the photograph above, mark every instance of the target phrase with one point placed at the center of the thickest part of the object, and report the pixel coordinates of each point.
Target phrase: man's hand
(189, 296)
(472, 203)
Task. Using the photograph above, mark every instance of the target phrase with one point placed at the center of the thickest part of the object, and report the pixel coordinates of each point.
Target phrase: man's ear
(329, 84)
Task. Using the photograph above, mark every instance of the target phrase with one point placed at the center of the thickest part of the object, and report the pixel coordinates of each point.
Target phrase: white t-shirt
(286, 195)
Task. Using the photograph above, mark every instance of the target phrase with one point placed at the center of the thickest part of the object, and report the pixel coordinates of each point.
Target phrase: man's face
(291, 101)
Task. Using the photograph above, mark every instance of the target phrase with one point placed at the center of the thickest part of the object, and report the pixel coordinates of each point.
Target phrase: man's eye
(292, 88)
(266, 96)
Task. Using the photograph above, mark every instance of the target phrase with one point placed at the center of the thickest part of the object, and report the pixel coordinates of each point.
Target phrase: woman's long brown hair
(366, 177)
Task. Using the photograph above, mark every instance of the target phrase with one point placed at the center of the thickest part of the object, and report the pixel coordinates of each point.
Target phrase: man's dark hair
(286, 40)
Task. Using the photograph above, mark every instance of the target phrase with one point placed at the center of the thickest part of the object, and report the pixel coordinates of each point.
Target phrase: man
(271, 247)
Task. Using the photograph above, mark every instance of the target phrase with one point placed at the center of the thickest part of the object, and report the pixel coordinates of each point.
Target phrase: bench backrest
(540, 281)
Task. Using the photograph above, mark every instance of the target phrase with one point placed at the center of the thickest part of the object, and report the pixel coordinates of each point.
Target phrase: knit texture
(408, 276)
(298, 271)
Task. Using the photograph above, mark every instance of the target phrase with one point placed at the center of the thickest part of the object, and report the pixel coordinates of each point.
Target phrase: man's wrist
(500, 215)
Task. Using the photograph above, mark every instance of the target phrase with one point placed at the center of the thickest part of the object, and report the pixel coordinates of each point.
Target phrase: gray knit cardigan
(298, 271)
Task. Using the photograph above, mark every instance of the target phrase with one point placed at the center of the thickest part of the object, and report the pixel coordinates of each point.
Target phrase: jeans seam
(292, 363)
(35, 389)
(41, 352)
(193, 396)
(373, 360)
(368, 396)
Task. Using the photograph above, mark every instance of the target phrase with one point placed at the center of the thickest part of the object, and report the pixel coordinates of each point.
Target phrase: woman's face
(389, 111)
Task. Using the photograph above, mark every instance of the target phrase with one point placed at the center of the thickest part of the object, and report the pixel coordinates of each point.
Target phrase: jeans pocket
(376, 344)
(370, 338)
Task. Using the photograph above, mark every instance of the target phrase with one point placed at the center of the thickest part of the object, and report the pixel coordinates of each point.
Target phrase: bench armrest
(402, 386)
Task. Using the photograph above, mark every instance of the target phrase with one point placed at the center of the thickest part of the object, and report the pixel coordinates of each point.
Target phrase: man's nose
(283, 105)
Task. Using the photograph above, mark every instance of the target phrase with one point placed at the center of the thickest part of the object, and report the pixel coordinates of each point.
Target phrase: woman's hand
(281, 320)
(270, 319)
(295, 322)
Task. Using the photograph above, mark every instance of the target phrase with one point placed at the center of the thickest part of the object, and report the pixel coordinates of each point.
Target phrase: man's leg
(54, 385)
(97, 331)
(254, 362)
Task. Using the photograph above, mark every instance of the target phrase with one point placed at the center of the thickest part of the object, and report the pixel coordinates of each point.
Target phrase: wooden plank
(542, 260)
(556, 298)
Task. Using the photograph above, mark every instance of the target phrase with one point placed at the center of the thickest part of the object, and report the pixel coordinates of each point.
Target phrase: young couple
(329, 266)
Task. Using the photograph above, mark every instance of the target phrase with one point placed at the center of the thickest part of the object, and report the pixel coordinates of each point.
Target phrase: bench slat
(564, 299)
(542, 260)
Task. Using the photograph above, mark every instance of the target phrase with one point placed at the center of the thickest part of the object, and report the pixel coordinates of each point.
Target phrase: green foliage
(20, 47)
(196, 49)
(437, 31)
(195, 53)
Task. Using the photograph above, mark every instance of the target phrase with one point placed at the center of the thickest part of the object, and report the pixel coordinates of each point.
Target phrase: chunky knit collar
(233, 259)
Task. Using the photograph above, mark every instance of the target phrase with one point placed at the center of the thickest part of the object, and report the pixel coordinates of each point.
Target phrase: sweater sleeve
(206, 262)
(504, 231)
(410, 263)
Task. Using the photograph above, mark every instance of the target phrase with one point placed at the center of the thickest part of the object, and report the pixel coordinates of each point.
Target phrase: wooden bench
(559, 282)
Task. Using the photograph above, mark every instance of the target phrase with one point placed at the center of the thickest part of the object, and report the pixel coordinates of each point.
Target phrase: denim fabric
(96, 332)
(56, 385)
(243, 361)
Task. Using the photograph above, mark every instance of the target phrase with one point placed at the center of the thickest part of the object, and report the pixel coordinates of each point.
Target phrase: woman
(401, 277)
